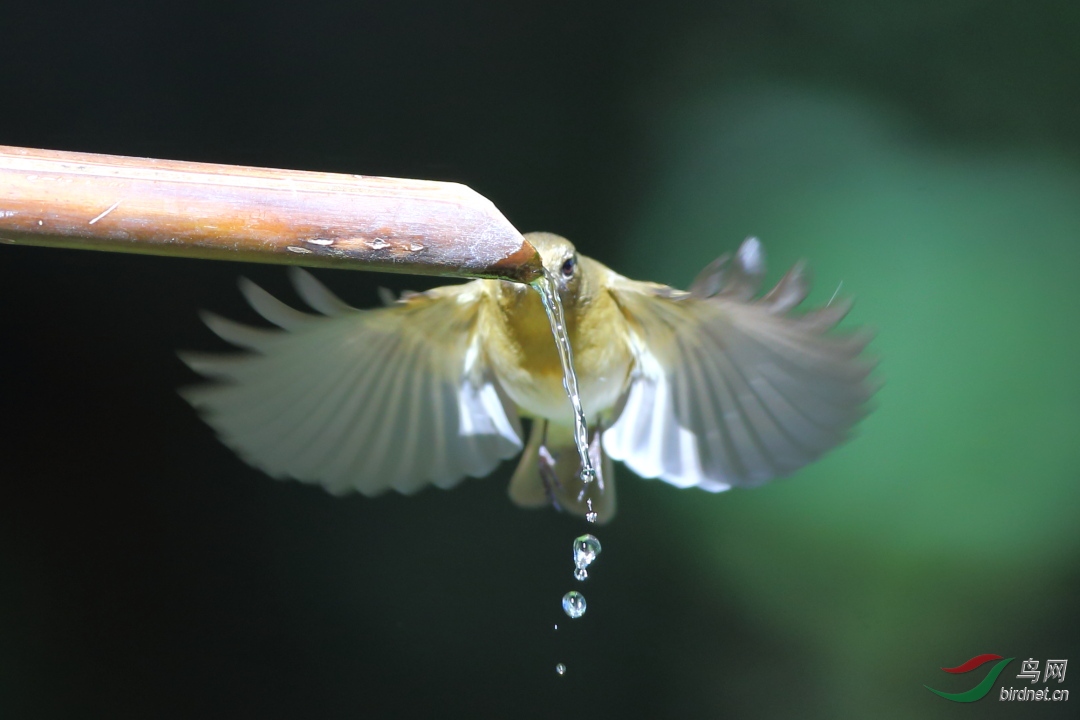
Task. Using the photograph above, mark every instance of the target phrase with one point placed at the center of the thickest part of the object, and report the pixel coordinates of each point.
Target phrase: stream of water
(549, 295)
(586, 547)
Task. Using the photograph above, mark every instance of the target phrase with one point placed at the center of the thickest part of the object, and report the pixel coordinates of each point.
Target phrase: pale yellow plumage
(706, 388)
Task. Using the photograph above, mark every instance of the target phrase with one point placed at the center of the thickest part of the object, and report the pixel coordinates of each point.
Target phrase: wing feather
(732, 391)
(271, 308)
(317, 295)
(244, 336)
(359, 400)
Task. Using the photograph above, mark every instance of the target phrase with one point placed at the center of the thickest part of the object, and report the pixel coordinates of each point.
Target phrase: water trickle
(549, 296)
(573, 604)
(586, 547)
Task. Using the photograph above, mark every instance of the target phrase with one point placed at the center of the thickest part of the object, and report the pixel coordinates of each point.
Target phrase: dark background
(926, 154)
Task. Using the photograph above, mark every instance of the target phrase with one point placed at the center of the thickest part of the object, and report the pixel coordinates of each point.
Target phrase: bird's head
(560, 259)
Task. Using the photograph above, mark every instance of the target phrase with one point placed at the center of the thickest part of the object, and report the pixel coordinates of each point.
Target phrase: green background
(926, 155)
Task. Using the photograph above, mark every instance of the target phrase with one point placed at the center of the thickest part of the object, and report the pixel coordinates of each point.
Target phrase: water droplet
(561, 669)
(573, 604)
(591, 515)
(556, 626)
(586, 548)
(581, 573)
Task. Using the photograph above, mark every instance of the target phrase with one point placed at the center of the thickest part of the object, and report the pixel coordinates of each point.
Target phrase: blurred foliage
(964, 263)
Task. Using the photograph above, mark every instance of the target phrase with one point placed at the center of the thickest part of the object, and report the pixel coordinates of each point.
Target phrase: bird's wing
(367, 400)
(732, 391)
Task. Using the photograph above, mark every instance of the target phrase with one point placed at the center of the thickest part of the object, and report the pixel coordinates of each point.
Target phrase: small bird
(709, 387)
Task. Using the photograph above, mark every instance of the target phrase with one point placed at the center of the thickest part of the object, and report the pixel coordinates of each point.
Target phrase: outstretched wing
(366, 400)
(732, 391)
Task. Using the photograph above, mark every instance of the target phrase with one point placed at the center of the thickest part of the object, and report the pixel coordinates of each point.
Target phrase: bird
(711, 387)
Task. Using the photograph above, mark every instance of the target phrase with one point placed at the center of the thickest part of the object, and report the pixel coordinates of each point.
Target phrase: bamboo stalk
(224, 212)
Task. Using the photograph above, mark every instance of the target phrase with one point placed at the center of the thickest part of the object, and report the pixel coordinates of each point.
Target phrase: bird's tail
(549, 473)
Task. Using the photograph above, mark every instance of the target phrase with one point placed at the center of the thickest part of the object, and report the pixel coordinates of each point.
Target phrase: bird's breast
(521, 350)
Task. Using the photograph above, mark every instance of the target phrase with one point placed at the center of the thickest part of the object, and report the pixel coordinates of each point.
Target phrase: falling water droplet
(561, 669)
(573, 604)
(586, 548)
(591, 515)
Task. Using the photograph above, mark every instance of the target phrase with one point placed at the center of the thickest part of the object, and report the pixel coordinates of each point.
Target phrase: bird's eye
(568, 267)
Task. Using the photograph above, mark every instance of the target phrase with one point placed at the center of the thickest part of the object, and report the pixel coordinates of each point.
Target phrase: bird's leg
(548, 476)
